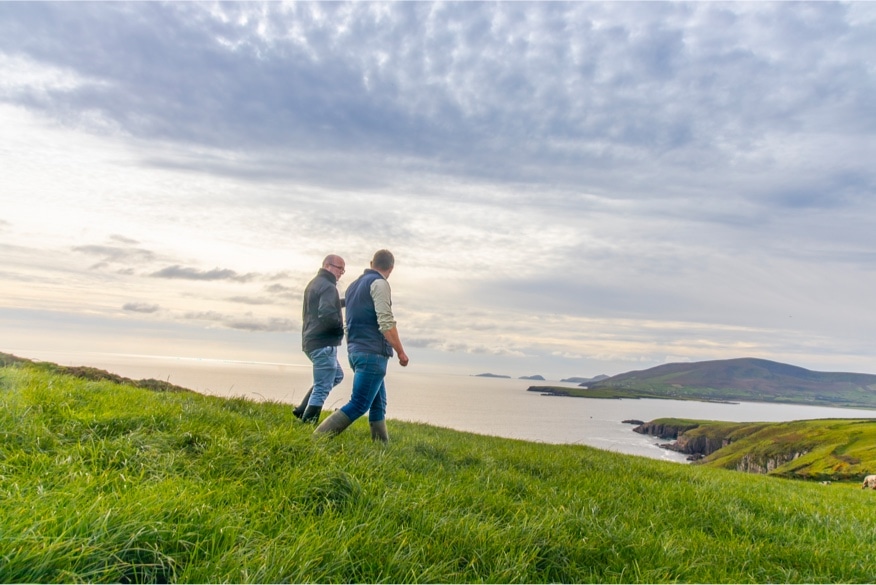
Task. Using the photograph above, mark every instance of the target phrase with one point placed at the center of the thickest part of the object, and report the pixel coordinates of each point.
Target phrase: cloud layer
(567, 186)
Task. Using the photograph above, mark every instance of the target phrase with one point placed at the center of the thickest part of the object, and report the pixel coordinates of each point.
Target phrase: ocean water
(488, 406)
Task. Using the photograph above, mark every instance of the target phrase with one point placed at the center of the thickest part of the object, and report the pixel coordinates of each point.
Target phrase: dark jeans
(369, 391)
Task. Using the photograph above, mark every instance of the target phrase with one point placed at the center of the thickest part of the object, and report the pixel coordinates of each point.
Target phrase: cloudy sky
(570, 189)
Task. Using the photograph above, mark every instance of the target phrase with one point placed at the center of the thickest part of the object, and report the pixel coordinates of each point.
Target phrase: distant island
(742, 379)
(536, 377)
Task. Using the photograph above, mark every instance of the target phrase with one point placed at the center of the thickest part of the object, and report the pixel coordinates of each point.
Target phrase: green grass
(106, 482)
(818, 450)
(828, 449)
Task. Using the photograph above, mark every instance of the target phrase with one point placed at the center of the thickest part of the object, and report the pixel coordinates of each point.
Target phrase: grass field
(828, 449)
(105, 482)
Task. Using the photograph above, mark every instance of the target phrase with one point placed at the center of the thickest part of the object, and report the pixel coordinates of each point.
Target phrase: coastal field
(104, 481)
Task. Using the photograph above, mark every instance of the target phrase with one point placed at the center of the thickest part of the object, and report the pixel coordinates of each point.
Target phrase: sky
(569, 189)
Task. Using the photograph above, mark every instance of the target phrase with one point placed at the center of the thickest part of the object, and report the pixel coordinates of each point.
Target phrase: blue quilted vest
(363, 333)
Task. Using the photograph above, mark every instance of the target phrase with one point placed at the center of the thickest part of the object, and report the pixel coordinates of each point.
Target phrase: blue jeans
(327, 373)
(369, 391)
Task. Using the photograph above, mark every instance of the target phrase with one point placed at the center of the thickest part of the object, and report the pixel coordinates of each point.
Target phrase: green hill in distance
(742, 379)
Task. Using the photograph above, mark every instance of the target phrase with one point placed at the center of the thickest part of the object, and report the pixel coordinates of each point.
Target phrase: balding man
(322, 331)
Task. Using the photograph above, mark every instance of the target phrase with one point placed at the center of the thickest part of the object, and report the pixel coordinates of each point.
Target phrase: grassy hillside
(107, 482)
(832, 449)
(825, 449)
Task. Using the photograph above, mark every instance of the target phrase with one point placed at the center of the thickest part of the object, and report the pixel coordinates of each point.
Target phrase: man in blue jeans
(321, 333)
(372, 336)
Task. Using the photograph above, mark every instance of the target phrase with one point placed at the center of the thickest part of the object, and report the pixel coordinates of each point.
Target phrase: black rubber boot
(311, 415)
(299, 410)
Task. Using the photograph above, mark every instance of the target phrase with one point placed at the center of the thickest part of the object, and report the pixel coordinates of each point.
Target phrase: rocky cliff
(696, 447)
(698, 440)
(753, 464)
(665, 430)
(700, 446)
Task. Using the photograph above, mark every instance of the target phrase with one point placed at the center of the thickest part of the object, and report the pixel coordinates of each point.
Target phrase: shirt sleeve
(382, 296)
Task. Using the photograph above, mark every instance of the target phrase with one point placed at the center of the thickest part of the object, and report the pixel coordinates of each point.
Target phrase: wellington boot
(379, 432)
(311, 415)
(334, 424)
(299, 410)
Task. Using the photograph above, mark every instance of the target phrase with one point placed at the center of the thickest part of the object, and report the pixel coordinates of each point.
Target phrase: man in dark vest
(321, 333)
(372, 336)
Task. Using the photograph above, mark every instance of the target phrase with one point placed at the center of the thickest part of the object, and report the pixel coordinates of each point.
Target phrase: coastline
(617, 394)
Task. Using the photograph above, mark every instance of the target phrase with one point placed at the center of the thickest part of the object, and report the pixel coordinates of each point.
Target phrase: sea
(502, 407)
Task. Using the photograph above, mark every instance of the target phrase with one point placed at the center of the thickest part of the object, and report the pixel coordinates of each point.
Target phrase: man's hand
(396, 344)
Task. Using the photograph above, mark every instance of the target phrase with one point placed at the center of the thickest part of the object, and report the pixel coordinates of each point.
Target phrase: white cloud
(24, 75)
(624, 182)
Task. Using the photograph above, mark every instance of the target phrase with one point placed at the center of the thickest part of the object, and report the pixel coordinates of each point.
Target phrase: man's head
(335, 264)
(383, 262)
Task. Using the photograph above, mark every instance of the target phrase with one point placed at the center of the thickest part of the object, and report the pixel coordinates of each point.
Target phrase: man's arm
(381, 294)
(329, 310)
(393, 338)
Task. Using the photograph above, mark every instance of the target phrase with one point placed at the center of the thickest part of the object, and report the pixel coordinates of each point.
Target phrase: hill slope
(748, 379)
(107, 482)
(825, 449)
(811, 449)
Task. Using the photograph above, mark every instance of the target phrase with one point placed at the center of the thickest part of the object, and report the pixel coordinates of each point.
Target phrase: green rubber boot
(378, 431)
(334, 424)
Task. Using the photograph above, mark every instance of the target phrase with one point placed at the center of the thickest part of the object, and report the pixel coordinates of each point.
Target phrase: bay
(489, 406)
